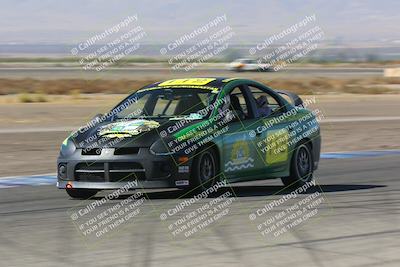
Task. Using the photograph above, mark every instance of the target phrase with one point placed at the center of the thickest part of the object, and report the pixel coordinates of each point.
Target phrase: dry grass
(76, 95)
(25, 98)
(76, 87)
(32, 98)
(67, 86)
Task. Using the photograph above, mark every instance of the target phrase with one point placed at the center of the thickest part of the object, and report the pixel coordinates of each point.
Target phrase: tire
(205, 168)
(301, 167)
(81, 193)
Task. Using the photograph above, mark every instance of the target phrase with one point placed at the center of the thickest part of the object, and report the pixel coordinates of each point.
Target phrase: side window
(238, 104)
(266, 104)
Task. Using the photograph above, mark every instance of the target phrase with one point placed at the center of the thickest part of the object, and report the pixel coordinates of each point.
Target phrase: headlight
(161, 147)
(68, 147)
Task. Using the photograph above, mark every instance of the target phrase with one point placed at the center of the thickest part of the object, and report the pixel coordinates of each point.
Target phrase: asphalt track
(356, 224)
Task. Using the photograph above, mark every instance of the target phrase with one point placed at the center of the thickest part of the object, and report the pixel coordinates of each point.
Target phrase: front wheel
(301, 167)
(81, 193)
(205, 167)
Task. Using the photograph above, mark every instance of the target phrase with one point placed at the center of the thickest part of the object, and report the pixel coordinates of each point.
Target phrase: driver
(262, 105)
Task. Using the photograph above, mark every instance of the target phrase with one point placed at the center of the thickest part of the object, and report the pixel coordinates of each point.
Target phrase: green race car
(192, 133)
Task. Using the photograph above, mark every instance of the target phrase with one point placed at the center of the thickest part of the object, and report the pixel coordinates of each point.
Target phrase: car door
(241, 160)
(272, 129)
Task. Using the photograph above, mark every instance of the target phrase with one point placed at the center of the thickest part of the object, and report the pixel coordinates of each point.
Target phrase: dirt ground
(35, 152)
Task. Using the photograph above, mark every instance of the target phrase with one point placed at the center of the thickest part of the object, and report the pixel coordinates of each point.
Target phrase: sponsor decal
(279, 150)
(183, 169)
(182, 182)
(127, 128)
(192, 81)
(240, 157)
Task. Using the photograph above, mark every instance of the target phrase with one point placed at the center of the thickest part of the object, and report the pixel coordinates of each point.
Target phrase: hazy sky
(58, 21)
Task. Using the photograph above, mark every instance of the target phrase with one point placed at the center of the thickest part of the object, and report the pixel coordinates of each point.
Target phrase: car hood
(127, 133)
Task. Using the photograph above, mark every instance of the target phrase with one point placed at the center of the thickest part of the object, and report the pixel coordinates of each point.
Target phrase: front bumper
(108, 170)
(114, 185)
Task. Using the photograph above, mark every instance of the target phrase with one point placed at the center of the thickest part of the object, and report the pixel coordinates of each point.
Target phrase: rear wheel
(301, 167)
(81, 193)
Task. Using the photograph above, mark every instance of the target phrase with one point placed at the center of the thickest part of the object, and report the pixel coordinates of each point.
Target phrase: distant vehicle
(248, 64)
(190, 134)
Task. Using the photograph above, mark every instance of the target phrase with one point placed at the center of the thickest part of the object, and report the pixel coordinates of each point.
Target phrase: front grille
(126, 166)
(90, 177)
(126, 171)
(89, 166)
(126, 177)
(90, 172)
(113, 171)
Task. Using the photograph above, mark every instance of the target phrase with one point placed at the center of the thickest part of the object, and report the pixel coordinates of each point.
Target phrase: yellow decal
(277, 149)
(65, 141)
(230, 79)
(191, 81)
(214, 90)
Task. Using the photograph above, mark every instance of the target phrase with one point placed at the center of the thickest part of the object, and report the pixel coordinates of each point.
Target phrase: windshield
(166, 103)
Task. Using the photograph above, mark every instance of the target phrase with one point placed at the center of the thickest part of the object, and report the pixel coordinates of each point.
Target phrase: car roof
(213, 83)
